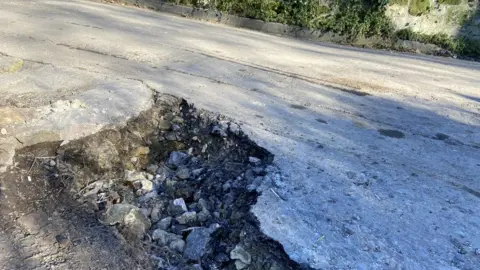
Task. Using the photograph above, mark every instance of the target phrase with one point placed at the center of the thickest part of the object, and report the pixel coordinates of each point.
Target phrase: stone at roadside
(164, 238)
(176, 127)
(203, 216)
(163, 124)
(170, 136)
(3, 131)
(183, 173)
(176, 159)
(130, 216)
(239, 265)
(165, 223)
(234, 128)
(177, 245)
(156, 212)
(52, 163)
(152, 169)
(147, 186)
(134, 160)
(178, 207)
(177, 120)
(218, 130)
(187, 218)
(197, 172)
(198, 241)
(254, 160)
(132, 176)
(239, 253)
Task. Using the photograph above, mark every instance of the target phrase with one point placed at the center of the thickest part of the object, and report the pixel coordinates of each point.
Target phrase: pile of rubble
(178, 183)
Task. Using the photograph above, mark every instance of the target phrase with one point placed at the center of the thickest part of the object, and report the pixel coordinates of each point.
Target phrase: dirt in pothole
(170, 190)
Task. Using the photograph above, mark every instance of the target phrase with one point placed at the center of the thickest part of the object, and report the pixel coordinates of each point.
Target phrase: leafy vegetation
(351, 18)
(418, 7)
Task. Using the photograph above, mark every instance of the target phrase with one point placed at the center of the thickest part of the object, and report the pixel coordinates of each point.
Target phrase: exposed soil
(170, 190)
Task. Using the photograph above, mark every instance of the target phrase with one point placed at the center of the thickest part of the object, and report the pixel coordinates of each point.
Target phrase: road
(379, 151)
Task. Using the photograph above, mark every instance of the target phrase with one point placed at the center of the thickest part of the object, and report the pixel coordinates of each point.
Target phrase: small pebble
(52, 163)
(3, 131)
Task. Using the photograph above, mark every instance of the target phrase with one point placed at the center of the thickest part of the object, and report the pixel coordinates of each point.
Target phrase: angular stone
(164, 238)
(187, 218)
(197, 242)
(239, 253)
(165, 223)
(177, 245)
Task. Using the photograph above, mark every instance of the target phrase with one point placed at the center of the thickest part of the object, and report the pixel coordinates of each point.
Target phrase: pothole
(170, 190)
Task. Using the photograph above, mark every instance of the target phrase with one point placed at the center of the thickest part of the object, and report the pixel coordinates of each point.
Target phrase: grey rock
(3, 131)
(52, 163)
(175, 127)
(130, 216)
(176, 159)
(234, 128)
(203, 204)
(152, 168)
(183, 173)
(146, 186)
(165, 223)
(203, 216)
(197, 242)
(178, 120)
(197, 172)
(187, 218)
(178, 207)
(163, 124)
(132, 176)
(134, 160)
(164, 238)
(239, 265)
(239, 253)
(171, 136)
(177, 245)
(254, 160)
(218, 130)
(156, 212)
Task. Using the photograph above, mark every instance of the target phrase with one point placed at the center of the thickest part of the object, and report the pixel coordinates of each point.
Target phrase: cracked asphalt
(379, 151)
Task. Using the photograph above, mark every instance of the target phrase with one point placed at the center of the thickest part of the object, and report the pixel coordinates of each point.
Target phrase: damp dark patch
(391, 133)
(321, 121)
(258, 116)
(298, 107)
(441, 136)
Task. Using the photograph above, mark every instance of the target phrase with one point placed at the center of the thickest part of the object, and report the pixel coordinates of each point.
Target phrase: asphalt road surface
(379, 151)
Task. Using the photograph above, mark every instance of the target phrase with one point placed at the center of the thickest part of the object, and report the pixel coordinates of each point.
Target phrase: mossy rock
(399, 2)
(449, 2)
(419, 7)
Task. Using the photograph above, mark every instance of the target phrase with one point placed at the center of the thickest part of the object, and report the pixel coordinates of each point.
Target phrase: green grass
(418, 7)
(449, 2)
